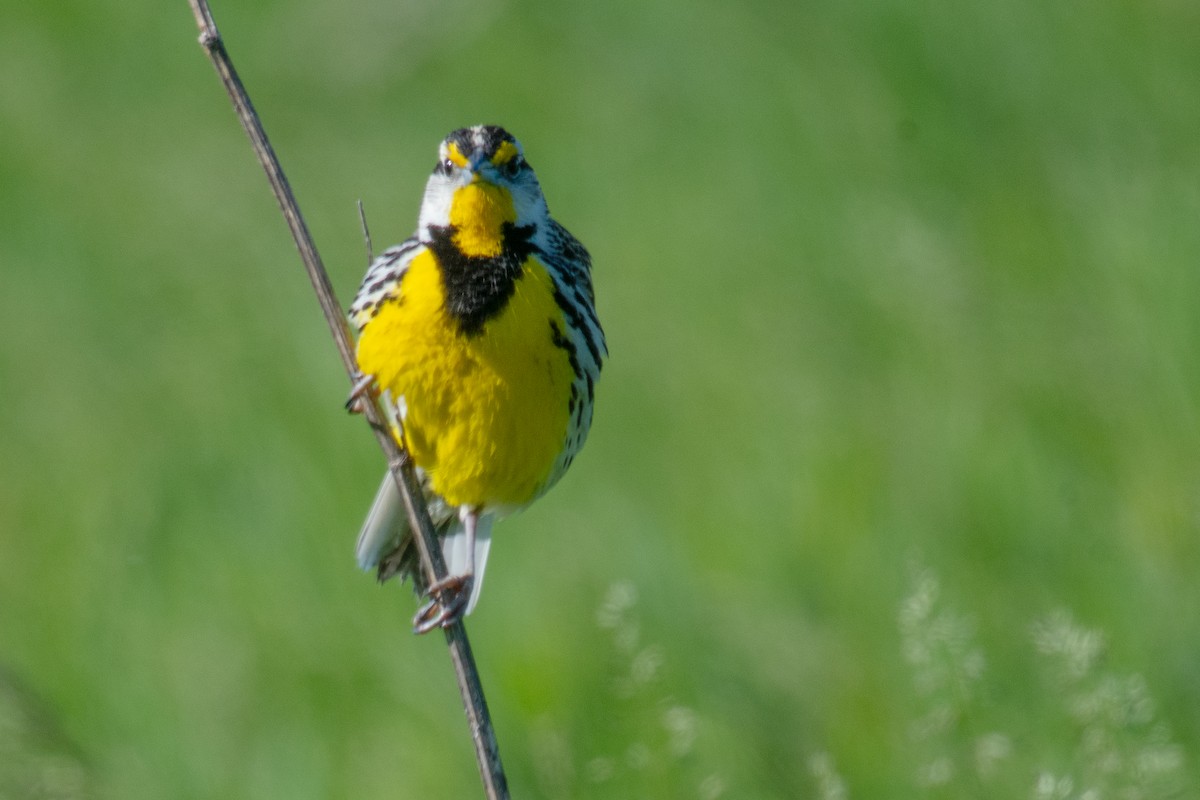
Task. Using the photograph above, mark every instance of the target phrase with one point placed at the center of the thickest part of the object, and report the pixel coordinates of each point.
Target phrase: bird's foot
(448, 601)
(363, 385)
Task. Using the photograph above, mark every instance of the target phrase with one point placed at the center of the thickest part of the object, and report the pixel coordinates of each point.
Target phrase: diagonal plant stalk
(479, 720)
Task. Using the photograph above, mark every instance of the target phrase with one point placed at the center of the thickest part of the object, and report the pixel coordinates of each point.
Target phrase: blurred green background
(902, 301)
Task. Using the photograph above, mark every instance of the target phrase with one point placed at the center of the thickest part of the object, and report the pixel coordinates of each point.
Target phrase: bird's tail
(385, 543)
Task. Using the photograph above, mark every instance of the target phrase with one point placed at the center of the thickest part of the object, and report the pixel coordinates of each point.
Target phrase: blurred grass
(884, 283)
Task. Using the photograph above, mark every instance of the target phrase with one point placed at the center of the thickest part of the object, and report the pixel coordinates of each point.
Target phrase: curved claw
(448, 600)
(364, 384)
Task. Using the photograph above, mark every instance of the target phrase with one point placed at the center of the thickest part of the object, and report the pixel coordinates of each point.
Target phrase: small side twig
(482, 734)
(362, 218)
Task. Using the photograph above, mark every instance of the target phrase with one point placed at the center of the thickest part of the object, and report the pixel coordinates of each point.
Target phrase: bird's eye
(444, 167)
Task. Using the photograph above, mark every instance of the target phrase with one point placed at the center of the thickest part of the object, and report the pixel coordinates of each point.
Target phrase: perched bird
(479, 334)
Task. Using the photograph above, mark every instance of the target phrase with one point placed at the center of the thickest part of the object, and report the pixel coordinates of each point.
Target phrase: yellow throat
(477, 215)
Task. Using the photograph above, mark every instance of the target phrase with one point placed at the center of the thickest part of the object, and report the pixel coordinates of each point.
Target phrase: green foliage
(883, 283)
(36, 763)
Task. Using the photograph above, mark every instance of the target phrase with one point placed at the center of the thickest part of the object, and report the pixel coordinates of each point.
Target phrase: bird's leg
(363, 385)
(449, 596)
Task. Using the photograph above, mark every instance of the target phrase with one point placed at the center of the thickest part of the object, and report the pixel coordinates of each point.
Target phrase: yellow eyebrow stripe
(456, 155)
(505, 153)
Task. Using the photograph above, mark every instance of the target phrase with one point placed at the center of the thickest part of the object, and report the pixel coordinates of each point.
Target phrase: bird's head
(481, 182)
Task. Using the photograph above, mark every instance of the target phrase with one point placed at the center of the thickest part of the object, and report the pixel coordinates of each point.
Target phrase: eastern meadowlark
(480, 335)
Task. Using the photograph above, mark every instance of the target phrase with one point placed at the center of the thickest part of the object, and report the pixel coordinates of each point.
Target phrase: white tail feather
(384, 526)
(387, 523)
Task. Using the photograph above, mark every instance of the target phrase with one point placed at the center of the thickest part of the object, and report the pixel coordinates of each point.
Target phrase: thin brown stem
(362, 218)
(482, 734)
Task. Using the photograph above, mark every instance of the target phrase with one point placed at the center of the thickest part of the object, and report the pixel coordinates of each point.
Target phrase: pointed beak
(476, 162)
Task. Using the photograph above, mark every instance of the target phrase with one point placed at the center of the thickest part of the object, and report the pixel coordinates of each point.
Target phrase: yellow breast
(485, 414)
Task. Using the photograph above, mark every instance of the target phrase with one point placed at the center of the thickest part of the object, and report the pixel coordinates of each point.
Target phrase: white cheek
(435, 208)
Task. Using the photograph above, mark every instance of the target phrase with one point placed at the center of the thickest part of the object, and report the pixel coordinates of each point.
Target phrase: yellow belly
(486, 415)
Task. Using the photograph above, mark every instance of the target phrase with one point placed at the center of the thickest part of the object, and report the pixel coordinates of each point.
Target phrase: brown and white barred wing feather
(386, 526)
(382, 280)
(570, 266)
